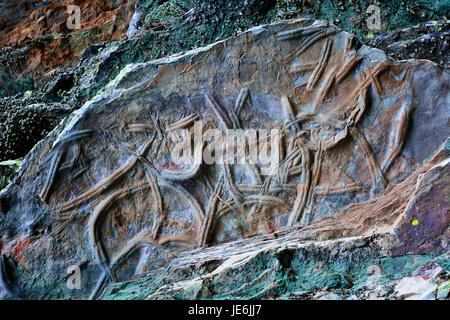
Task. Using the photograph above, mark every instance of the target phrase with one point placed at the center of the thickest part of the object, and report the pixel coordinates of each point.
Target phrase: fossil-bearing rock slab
(357, 134)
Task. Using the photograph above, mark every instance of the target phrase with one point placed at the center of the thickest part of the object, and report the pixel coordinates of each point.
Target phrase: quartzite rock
(358, 133)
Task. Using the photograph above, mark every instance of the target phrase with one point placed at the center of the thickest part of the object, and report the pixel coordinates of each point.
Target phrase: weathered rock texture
(36, 47)
(8, 169)
(365, 152)
(36, 39)
(41, 66)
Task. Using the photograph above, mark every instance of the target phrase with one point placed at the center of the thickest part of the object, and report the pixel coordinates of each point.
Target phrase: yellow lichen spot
(415, 222)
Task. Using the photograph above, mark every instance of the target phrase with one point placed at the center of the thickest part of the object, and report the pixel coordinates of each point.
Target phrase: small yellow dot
(415, 222)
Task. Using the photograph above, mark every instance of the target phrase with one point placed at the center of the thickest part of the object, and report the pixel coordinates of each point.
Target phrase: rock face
(26, 20)
(425, 41)
(415, 289)
(22, 124)
(38, 39)
(363, 174)
(37, 46)
(8, 169)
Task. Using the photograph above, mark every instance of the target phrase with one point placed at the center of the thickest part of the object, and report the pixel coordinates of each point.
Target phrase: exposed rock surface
(40, 62)
(415, 288)
(363, 181)
(37, 37)
(8, 169)
(429, 40)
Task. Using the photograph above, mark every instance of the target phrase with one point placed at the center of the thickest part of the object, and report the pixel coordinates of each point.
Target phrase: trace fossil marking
(4, 280)
(305, 139)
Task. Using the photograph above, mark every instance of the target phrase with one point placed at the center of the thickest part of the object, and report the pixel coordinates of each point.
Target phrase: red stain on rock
(428, 272)
(58, 45)
(272, 226)
(432, 211)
